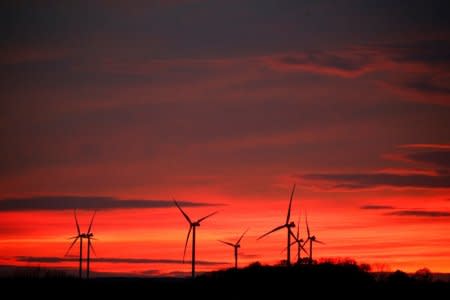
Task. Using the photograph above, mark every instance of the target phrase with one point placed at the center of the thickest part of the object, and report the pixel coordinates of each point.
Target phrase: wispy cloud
(85, 202)
(426, 146)
(417, 70)
(113, 260)
(343, 63)
(437, 158)
(421, 213)
(371, 180)
(376, 207)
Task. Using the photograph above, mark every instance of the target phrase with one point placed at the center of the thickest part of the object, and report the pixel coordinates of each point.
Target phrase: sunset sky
(121, 106)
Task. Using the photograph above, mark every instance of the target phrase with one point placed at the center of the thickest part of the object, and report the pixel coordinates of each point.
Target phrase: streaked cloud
(376, 207)
(437, 158)
(426, 146)
(113, 260)
(85, 202)
(421, 213)
(438, 177)
(371, 180)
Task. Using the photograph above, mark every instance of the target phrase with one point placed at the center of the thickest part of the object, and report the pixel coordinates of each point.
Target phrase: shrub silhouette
(343, 279)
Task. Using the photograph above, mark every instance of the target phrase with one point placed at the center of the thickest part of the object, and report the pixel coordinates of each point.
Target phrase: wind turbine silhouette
(79, 236)
(311, 239)
(288, 225)
(299, 241)
(89, 236)
(82, 236)
(192, 226)
(236, 246)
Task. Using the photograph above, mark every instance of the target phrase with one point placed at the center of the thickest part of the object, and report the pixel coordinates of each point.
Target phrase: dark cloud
(421, 213)
(12, 271)
(178, 274)
(113, 260)
(438, 158)
(85, 202)
(347, 64)
(371, 180)
(427, 86)
(249, 256)
(428, 51)
(376, 206)
(152, 272)
(428, 58)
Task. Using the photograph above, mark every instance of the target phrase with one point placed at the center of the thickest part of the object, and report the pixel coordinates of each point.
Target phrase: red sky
(227, 104)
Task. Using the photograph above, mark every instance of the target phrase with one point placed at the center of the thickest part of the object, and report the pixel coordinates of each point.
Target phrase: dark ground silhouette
(253, 282)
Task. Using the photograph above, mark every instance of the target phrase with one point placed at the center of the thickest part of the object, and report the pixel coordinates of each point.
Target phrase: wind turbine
(288, 225)
(236, 246)
(89, 236)
(299, 241)
(79, 236)
(311, 239)
(192, 226)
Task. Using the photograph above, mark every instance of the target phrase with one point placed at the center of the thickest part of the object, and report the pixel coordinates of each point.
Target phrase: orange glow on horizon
(159, 235)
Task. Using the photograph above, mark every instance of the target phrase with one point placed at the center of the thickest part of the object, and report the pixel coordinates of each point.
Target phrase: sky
(122, 106)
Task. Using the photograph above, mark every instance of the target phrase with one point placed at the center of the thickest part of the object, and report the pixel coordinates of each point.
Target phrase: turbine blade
(307, 226)
(298, 226)
(199, 220)
(239, 240)
(304, 243)
(76, 221)
(304, 250)
(92, 248)
(292, 234)
(285, 248)
(226, 243)
(320, 242)
(290, 204)
(273, 230)
(92, 220)
(302, 246)
(71, 245)
(187, 240)
(184, 214)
